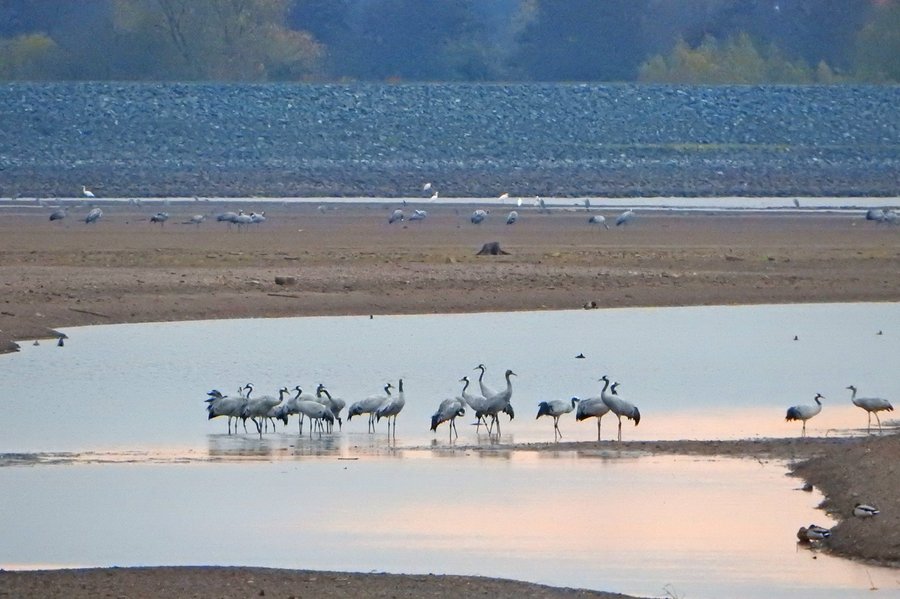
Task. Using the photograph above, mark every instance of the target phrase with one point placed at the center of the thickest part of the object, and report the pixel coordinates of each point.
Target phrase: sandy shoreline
(348, 260)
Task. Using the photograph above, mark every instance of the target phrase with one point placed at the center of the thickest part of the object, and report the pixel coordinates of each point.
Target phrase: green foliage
(878, 46)
(31, 56)
(737, 60)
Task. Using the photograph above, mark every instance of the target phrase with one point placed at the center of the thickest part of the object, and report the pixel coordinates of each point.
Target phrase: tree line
(654, 41)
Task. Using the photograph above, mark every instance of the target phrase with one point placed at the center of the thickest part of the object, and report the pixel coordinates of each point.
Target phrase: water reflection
(575, 519)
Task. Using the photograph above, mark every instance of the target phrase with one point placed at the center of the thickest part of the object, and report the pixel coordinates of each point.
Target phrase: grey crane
(872, 405)
(556, 408)
(805, 412)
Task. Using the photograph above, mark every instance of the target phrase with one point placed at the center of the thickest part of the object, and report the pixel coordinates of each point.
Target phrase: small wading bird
(555, 409)
(862, 510)
(805, 412)
(872, 405)
(86, 192)
(418, 215)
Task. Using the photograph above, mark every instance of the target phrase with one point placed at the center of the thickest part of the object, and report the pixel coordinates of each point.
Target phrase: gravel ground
(370, 140)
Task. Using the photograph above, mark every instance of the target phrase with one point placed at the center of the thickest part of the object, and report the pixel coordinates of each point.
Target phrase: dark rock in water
(491, 249)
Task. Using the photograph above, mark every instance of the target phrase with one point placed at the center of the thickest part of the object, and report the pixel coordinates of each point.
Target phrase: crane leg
(598, 430)
(620, 427)
(879, 422)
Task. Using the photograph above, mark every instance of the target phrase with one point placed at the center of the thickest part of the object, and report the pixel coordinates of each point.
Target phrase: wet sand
(347, 260)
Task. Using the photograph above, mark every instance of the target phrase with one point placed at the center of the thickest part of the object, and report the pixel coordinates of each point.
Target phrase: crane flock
(323, 410)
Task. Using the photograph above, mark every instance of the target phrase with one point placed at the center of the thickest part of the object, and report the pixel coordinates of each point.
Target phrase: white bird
(872, 405)
(503, 196)
(396, 215)
(617, 405)
(426, 187)
(258, 218)
(434, 196)
(500, 402)
(160, 217)
(598, 220)
(195, 220)
(418, 215)
(87, 192)
(592, 407)
(368, 406)
(862, 510)
(805, 412)
(625, 218)
(519, 202)
(512, 217)
(556, 408)
(93, 216)
(391, 408)
(59, 214)
(478, 216)
(448, 411)
(813, 533)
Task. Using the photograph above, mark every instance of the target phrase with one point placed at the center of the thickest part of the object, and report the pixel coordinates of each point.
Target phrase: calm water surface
(139, 476)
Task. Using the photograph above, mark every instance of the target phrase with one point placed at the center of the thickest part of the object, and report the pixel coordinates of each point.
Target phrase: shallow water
(138, 476)
(695, 373)
(571, 519)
